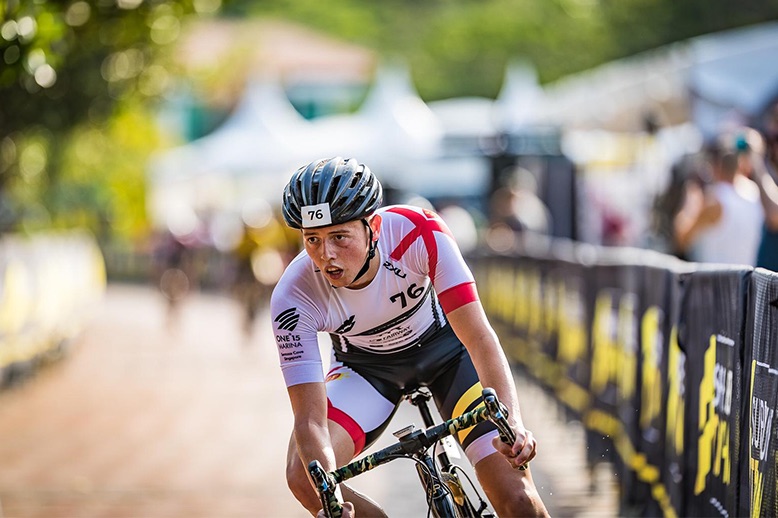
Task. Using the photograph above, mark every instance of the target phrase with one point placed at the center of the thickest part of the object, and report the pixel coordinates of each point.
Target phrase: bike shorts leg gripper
(361, 405)
(352, 427)
(458, 390)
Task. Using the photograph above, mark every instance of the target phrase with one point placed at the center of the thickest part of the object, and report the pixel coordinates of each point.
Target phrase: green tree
(68, 69)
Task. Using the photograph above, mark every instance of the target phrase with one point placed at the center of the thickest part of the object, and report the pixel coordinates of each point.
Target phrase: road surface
(151, 417)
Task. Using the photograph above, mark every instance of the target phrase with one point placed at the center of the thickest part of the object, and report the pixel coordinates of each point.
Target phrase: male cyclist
(391, 288)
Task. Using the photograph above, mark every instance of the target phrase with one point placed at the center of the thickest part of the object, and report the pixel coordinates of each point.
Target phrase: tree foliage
(70, 69)
(461, 47)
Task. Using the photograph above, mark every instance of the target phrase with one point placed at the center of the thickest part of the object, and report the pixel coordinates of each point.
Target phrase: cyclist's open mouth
(333, 272)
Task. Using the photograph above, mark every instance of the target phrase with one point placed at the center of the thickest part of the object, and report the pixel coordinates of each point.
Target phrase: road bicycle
(445, 493)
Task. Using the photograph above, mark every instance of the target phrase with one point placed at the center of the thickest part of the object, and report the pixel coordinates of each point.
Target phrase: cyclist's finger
(505, 449)
(534, 452)
(523, 440)
(348, 510)
(527, 451)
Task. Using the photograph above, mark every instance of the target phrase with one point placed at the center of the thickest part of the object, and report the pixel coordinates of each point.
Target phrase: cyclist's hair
(329, 192)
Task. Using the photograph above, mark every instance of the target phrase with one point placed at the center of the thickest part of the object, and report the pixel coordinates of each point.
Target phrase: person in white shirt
(721, 222)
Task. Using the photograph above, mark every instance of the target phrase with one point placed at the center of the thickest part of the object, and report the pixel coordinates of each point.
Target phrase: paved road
(147, 419)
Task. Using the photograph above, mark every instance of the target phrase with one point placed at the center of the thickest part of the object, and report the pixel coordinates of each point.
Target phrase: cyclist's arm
(309, 406)
(470, 324)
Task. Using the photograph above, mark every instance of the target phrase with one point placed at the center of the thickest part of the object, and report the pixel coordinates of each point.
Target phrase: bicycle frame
(412, 443)
(447, 470)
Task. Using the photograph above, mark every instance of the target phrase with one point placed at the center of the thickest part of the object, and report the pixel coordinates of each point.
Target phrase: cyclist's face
(339, 251)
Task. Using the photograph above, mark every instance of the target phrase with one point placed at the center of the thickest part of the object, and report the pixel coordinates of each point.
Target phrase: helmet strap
(370, 253)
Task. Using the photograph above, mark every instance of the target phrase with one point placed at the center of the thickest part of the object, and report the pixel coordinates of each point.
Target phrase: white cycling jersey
(422, 273)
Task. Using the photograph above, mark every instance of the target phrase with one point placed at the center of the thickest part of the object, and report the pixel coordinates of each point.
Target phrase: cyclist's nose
(327, 250)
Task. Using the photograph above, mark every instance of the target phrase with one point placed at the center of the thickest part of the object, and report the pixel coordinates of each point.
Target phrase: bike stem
(420, 400)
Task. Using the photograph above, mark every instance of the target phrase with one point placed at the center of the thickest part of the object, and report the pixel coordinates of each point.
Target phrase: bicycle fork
(436, 486)
(438, 495)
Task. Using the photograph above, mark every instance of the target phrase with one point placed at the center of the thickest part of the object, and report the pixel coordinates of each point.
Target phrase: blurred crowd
(243, 255)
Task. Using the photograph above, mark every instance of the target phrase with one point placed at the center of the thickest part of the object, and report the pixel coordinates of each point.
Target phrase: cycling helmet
(329, 192)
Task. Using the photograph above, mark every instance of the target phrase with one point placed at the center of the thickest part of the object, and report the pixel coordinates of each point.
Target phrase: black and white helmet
(329, 192)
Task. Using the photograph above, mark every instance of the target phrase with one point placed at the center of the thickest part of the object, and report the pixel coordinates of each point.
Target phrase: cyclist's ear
(375, 225)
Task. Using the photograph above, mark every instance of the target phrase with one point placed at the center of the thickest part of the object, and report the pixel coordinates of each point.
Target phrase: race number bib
(316, 215)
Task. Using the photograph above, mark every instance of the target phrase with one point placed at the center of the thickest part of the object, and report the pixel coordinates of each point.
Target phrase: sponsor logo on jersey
(336, 376)
(392, 336)
(287, 319)
(394, 269)
(346, 326)
(289, 341)
(337, 373)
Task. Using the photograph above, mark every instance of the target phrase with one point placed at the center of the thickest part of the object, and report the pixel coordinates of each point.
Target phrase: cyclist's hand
(348, 511)
(521, 451)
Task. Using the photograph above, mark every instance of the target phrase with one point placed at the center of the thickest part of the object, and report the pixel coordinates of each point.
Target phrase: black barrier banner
(649, 496)
(572, 351)
(509, 296)
(531, 277)
(758, 480)
(613, 351)
(552, 293)
(673, 458)
(494, 275)
(712, 335)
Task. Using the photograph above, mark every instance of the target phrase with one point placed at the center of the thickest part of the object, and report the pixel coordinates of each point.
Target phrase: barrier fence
(672, 367)
(48, 285)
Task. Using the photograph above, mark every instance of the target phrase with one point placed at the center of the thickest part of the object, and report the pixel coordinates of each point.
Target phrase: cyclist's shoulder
(299, 276)
(407, 212)
(399, 220)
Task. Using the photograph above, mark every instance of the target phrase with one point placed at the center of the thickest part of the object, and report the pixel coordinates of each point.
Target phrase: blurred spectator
(515, 208)
(517, 205)
(170, 266)
(764, 158)
(246, 286)
(265, 248)
(693, 167)
(720, 219)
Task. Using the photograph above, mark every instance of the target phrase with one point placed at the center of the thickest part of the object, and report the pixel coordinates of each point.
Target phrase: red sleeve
(458, 296)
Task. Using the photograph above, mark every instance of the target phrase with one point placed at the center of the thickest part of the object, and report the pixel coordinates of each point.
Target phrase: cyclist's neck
(370, 268)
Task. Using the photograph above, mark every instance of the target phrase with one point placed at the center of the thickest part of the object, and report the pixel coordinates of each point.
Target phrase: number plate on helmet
(316, 215)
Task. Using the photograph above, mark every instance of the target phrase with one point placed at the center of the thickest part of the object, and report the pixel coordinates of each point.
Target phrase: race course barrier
(671, 366)
(48, 285)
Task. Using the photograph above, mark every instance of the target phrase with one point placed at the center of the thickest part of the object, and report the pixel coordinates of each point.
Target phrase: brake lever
(498, 414)
(326, 489)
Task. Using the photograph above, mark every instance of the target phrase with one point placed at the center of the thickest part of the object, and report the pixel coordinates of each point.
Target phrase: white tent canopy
(709, 81)
(517, 103)
(245, 159)
(255, 151)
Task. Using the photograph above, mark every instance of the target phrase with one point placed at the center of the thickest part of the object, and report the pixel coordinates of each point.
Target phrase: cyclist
(392, 289)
